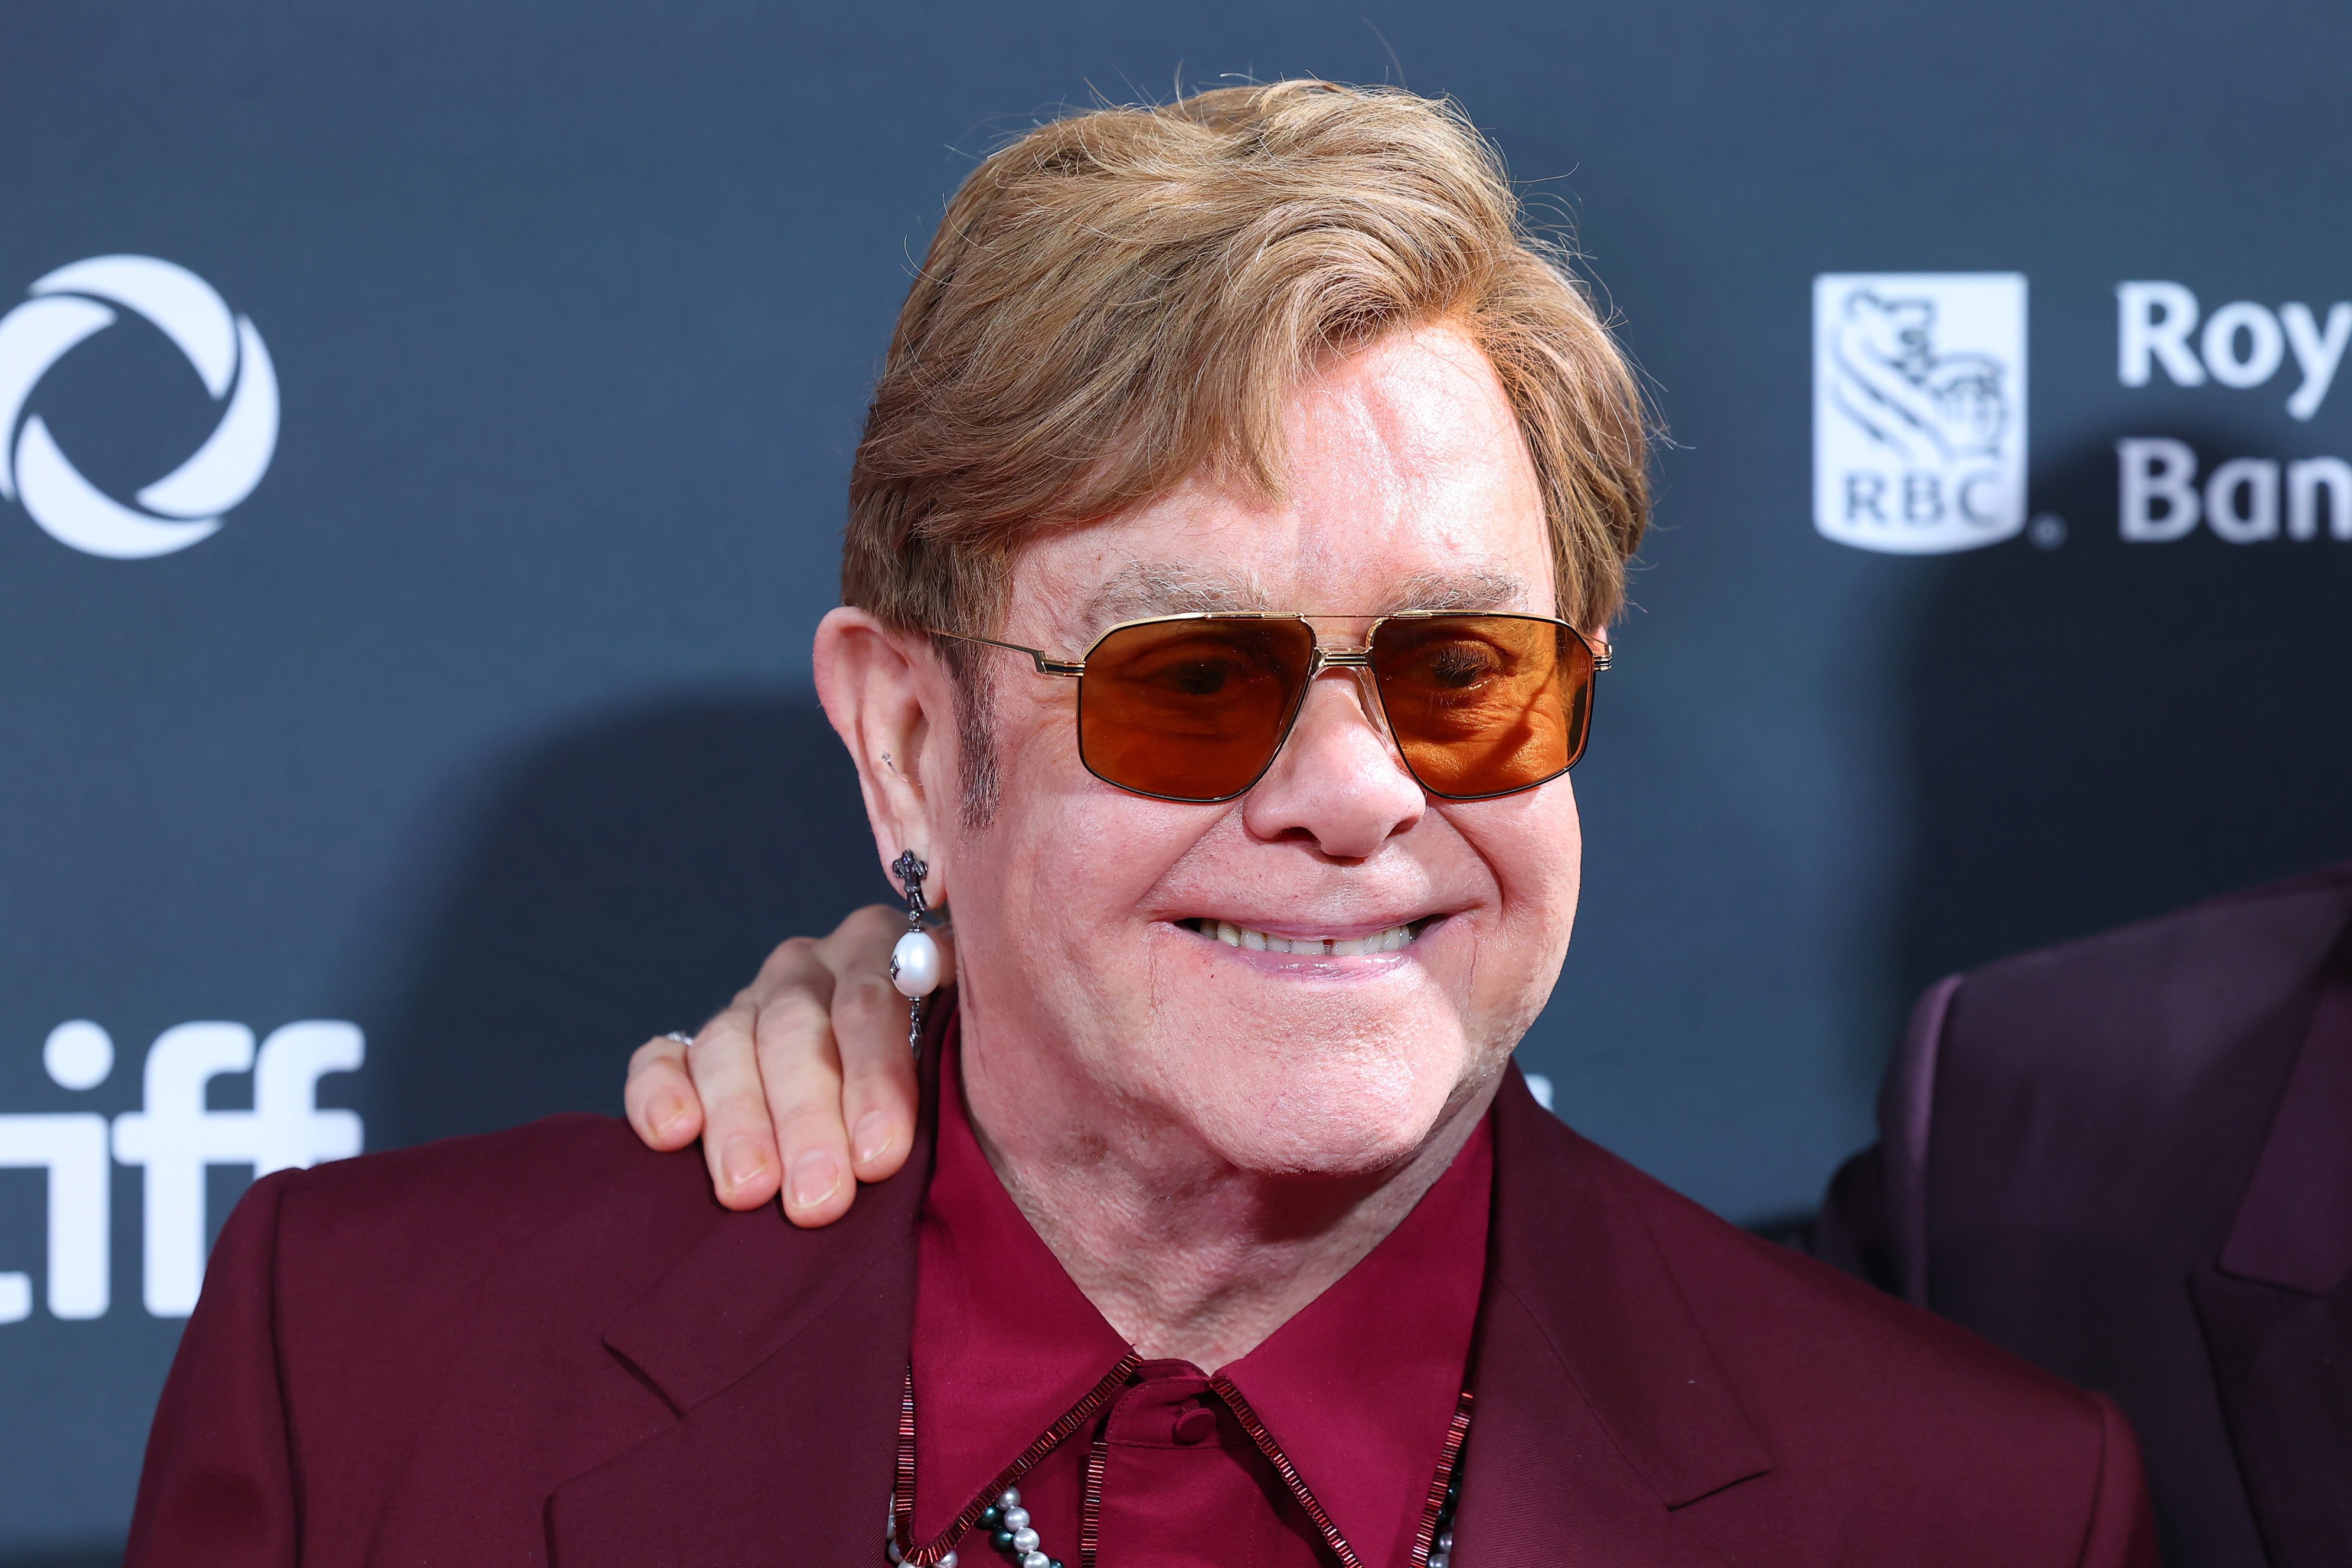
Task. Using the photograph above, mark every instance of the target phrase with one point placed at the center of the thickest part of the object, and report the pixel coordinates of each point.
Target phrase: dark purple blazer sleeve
(219, 1483)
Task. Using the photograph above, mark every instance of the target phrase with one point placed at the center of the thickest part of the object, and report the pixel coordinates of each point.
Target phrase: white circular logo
(184, 506)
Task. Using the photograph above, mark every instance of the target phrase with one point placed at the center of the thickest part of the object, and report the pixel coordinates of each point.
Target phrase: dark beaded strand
(1441, 1545)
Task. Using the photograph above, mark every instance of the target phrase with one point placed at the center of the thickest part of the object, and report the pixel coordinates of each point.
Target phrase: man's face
(1088, 918)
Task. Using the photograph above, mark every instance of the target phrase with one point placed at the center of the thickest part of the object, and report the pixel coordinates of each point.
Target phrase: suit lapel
(2277, 1312)
(1599, 1407)
(784, 1353)
(790, 1463)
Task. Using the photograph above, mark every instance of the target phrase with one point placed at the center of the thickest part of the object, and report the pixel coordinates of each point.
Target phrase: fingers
(738, 1144)
(659, 1097)
(803, 1085)
(869, 1030)
(799, 1074)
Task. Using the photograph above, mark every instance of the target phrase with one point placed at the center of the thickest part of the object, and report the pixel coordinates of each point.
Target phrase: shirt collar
(1358, 1390)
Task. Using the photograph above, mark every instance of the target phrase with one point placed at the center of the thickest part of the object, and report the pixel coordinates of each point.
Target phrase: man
(1241, 505)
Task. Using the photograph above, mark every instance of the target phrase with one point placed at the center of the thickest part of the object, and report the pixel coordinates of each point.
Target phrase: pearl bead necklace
(1015, 1536)
(1008, 1527)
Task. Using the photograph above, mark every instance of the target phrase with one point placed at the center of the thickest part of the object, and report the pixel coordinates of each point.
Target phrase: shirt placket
(1174, 1481)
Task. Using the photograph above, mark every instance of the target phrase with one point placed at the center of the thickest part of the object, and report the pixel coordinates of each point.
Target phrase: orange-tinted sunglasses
(1196, 707)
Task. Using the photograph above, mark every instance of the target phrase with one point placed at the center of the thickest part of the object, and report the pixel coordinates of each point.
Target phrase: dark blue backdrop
(485, 723)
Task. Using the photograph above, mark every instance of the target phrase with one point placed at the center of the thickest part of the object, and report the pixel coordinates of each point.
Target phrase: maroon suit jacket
(552, 1346)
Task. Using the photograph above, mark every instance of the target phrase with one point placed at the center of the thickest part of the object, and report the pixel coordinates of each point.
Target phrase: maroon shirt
(1329, 1443)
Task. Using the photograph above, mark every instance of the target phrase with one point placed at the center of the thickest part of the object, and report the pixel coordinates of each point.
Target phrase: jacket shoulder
(1795, 1327)
(521, 1173)
(1786, 1412)
(1865, 1403)
(2118, 1088)
(409, 1347)
(570, 1216)
(1873, 1408)
(1822, 1362)
(2209, 963)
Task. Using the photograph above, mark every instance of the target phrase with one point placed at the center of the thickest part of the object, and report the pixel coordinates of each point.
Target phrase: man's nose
(1336, 780)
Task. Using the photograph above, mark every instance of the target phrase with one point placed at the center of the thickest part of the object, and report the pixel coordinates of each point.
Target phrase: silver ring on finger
(682, 1039)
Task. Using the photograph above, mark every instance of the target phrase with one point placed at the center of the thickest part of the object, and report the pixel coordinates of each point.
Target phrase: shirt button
(1197, 1425)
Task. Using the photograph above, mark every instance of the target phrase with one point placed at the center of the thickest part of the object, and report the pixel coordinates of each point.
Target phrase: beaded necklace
(1013, 1532)
(1015, 1536)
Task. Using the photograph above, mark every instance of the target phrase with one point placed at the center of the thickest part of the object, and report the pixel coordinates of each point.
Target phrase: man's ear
(890, 700)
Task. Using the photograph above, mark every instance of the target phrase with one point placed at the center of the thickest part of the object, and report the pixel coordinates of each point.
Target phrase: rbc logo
(173, 1138)
(186, 505)
(1919, 409)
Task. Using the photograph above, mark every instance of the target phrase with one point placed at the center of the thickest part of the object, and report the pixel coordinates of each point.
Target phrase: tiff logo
(173, 1138)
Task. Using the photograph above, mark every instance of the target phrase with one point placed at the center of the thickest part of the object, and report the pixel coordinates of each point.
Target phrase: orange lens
(1484, 705)
(1191, 709)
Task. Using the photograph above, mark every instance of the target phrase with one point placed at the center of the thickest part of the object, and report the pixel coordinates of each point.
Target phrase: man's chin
(1332, 1126)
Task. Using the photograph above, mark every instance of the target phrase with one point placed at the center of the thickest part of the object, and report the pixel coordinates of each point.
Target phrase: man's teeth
(1396, 939)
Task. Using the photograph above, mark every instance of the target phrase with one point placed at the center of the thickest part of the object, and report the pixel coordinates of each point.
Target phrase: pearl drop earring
(915, 962)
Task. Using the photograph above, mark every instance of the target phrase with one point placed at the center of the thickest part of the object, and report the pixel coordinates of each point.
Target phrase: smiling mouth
(1396, 939)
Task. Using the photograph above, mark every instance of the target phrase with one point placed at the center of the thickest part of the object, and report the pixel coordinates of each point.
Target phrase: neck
(1188, 1256)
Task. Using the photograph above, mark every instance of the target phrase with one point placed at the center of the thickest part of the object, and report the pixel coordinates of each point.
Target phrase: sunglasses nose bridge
(1357, 663)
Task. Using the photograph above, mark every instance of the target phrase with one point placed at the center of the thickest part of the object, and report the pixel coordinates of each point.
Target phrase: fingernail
(742, 1160)
(872, 1136)
(815, 1177)
(666, 1112)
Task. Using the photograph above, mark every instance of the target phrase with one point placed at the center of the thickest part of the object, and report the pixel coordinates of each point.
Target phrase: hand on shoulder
(802, 1083)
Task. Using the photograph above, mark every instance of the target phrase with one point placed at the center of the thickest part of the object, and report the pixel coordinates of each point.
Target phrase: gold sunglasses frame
(1326, 659)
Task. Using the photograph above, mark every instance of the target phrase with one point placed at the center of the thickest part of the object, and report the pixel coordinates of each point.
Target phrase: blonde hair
(1117, 300)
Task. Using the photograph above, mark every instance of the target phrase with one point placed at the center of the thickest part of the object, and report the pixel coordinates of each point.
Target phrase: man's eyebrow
(1467, 590)
(1145, 588)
